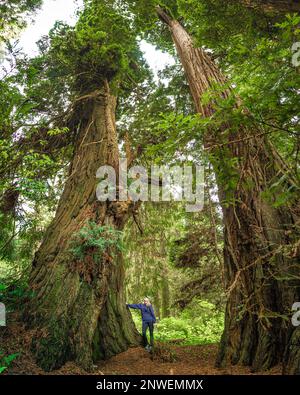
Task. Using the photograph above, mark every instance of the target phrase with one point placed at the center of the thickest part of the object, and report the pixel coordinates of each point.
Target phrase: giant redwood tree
(78, 307)
(260, 253)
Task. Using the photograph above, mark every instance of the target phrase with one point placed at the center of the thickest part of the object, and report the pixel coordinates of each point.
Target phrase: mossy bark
(79, 319)
(291, 360)
(260, 262)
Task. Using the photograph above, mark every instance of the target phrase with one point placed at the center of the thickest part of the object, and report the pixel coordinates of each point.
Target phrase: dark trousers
(146, 325)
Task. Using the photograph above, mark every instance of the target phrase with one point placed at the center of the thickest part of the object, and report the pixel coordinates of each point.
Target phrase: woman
(148, 320)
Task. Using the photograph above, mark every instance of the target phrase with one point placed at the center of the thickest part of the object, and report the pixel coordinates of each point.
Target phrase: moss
(52, 348)
(97, 351)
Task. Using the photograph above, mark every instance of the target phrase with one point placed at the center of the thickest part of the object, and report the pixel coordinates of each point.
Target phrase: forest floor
(168, 359)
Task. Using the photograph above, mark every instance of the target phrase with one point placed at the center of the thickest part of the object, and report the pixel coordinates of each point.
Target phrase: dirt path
(168, 359)
(197, 360)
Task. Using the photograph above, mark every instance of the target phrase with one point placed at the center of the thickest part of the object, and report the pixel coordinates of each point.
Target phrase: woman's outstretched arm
(135, 306)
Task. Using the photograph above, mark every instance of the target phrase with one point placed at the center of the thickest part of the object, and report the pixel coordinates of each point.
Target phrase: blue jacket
(147, 312)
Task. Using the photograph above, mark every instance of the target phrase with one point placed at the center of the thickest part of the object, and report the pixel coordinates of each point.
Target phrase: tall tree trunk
(165, 292)
(260, 265)
(79, 307)
(157, 301)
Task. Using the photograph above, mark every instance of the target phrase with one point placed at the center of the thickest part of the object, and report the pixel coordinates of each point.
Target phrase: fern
(5, 361)
(103, 239)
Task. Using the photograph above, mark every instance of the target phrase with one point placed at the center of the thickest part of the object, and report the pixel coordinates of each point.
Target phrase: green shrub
(98, 239)
(14, 294)
(200, 323)
(5, 361)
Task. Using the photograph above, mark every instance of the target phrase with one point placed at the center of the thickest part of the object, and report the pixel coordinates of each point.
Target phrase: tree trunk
(157, 301)
(165, 292)
(260, 261)
(78, 306)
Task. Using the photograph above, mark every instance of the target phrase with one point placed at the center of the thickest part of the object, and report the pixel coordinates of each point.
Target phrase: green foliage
(13, 15)
(146, 255)
(175, 134)
(14, 295)
(199, 323)
(6, 360)
(227, 173)
(145, 21)
(102, 46)
(96, 238)
(57, 131)
(17, 245)
(254, 49)
(282, 192)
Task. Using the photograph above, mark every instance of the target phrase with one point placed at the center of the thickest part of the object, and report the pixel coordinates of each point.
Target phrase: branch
(163, 16)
